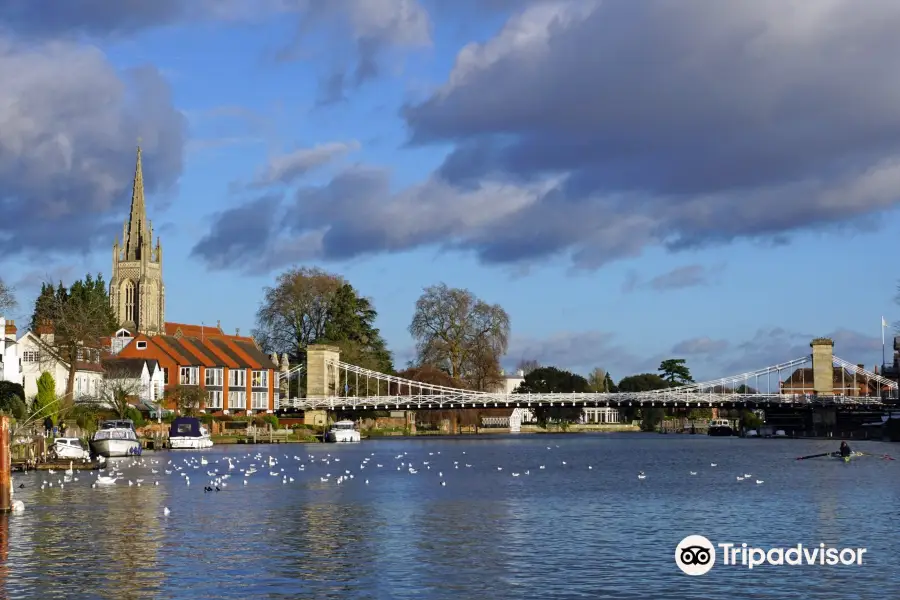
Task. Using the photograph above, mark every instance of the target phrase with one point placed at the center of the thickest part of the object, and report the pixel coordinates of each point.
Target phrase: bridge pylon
(322, 379)
(823, 366)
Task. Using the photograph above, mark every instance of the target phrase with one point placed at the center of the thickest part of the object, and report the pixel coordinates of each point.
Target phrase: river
(577, 522)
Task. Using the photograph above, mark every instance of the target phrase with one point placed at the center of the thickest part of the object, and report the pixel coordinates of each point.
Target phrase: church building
(233, 372)
(136, 289)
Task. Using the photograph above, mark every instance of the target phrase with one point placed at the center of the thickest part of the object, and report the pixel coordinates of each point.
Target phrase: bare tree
(7, 297)
(119, 389)
(455, 330)
(597, 380)
(526, 366)
(294, 313)
(188, 399)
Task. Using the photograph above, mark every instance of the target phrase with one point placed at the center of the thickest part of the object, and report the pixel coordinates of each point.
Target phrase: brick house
(844, 383)
(235, 374)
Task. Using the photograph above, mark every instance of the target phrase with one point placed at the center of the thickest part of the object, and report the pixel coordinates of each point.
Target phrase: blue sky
(721, 198)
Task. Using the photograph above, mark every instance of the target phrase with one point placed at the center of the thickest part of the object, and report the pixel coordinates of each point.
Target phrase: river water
(576, 522)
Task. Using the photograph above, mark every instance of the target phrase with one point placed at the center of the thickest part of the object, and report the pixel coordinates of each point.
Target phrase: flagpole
(882, 343)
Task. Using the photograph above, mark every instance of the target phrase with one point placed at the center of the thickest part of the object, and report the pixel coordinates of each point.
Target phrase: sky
(631, 180)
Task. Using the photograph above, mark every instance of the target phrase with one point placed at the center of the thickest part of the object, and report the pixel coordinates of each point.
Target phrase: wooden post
(5, 467)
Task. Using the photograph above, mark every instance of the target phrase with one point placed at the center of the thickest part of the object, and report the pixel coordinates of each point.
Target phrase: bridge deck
(646, 399)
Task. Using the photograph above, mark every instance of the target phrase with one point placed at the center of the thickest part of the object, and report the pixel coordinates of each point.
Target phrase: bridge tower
(823, 366)
(322, 379)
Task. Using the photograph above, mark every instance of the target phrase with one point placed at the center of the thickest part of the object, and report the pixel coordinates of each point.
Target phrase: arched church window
(129, 301)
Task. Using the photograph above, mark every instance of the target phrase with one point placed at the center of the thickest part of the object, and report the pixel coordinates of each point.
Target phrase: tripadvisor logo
(696, 555)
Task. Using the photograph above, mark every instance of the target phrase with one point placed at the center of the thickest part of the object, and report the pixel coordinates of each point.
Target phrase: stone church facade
(136, 290)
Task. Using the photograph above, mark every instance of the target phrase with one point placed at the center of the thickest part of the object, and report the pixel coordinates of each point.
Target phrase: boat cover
(185, 427)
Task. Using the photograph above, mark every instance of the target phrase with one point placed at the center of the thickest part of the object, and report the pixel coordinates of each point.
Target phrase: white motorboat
(70, 448)
(116, 438)
(343, 432)
(186, 433)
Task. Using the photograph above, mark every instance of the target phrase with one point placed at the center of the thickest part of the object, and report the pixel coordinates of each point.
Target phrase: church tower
(136, 290)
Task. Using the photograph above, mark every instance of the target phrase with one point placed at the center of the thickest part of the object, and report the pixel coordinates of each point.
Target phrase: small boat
(853, 455)
(720, 427)
(70, 448)
(116, 438)
(186, 433)
(343, 432)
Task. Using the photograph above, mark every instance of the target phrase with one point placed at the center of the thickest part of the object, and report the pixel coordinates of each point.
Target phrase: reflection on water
(583, 526)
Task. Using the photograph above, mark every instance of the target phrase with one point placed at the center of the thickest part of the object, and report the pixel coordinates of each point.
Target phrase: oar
(814, 456)
(884, 456)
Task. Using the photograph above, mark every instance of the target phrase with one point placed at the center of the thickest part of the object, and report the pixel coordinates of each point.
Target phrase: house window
(237, 400)
(260, 400)
(156, 391)
(214, 377)
(165, 375)
(237, 378)
(189, 375)
(260, 379)
(141, 345)
(31, 356)
(214, 399)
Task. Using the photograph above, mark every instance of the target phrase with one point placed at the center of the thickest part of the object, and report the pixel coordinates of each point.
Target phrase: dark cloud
(773, 346)
(676, 279)
(578, 352)
(286, 169)
(574, 136)
(700, 346)
(68, 130)
(237, 240)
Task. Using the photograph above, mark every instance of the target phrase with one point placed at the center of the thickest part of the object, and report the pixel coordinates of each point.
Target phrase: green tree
(350, 324)
(12, 399)
(294, 313)
(461, 334)
(610, 386)
(79, 318)
(642, 382)
(45, 403)
(675, 371)
(43, 306)
(552, 380)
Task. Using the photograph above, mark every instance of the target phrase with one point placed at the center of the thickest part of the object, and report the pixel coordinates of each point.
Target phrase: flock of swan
(218, 472)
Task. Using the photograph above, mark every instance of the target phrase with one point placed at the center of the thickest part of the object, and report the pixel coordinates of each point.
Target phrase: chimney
(521, 373)
(237, 331)
(219, 325)
(10, 328)
(863, 367)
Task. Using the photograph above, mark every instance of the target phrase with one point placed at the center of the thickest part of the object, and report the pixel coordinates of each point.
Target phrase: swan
(102, 480)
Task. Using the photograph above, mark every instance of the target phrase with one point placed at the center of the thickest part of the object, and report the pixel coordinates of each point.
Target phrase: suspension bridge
(819, 379)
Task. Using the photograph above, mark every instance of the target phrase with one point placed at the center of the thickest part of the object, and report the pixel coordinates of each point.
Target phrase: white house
(38, 356)
(10, 365)
(143, 375)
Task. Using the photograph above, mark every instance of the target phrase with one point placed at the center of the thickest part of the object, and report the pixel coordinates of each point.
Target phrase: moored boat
(70, 448)
(116, 438)
(343, 432)
(187, 433)
(720, 427)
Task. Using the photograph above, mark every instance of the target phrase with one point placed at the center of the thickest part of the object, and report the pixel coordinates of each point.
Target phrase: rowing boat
(853, 455)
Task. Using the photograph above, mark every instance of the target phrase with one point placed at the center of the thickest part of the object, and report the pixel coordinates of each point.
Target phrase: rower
(845, 449)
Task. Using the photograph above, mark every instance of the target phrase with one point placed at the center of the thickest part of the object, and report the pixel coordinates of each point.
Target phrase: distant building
(136, 290)
(846, 383)
(10, 362)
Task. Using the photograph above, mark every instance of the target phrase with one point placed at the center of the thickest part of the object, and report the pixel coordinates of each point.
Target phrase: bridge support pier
(322, 379)
(823, 366)
(411, 422)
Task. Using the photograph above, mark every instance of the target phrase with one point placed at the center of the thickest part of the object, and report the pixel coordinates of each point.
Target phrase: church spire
(136, 229)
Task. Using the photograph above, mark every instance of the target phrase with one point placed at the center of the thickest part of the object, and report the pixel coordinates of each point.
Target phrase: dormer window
(141, 345)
